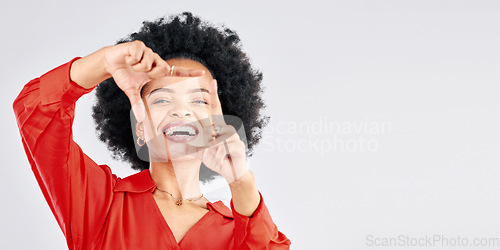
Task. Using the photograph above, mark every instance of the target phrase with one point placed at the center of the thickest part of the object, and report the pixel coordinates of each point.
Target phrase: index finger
(214, 98)
(217, 116)
(181, 71)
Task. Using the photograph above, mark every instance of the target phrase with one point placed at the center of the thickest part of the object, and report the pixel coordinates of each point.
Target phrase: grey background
(428, 69)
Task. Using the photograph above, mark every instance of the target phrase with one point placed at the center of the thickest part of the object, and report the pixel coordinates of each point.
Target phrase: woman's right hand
(131, 64)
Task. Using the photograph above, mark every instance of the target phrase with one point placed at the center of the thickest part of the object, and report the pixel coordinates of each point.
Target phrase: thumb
(137, 106)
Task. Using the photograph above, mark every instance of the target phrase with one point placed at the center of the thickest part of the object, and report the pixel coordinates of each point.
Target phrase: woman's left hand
(227, 155)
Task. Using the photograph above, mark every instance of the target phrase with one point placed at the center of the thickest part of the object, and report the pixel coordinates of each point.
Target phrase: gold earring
(140, 135)
(139, 139)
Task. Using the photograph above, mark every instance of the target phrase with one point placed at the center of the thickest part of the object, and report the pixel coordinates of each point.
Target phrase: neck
(180, 178)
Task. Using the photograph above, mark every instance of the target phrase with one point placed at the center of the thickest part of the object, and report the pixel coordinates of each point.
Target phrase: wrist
(90, 70)
(244, 185)
(245, 180)
(103, 63)
(245, 196)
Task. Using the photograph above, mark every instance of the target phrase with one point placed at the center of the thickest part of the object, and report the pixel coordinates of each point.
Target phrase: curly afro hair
(186, 36)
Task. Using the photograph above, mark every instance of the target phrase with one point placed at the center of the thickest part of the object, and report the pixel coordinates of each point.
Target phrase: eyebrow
(171, 91)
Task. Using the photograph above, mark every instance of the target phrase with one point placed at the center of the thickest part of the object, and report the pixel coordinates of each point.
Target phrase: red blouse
(97, 210)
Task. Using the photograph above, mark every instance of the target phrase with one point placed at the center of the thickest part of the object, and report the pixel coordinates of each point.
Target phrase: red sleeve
(78, 191)
(258, 231)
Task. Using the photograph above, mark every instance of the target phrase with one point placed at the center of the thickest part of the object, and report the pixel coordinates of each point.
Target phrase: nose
(181, 110)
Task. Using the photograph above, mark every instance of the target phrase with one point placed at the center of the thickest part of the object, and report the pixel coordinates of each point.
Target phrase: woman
(178, 75)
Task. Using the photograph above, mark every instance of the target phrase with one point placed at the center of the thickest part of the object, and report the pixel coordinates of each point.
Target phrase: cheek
(152, 123)
(201, 113)
(148, 131)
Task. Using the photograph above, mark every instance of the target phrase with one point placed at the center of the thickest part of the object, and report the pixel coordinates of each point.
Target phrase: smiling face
(175, 106)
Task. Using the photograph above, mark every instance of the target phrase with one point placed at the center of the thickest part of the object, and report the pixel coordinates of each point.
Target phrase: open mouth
(179, 131)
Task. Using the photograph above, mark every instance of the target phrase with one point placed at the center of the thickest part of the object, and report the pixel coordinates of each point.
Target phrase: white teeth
(181, 129)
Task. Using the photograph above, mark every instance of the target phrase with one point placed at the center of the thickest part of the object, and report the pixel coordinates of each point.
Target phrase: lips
(180, 131)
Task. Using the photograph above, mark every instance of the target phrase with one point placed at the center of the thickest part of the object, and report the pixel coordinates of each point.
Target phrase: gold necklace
(179, 201)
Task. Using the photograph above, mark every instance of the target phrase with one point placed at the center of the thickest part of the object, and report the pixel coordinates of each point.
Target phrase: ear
(139, 129)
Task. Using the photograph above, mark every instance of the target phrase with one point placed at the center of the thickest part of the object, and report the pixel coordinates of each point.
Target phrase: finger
(206, 131)
(217, 118)
(227, 134)
(146, 63)
(184, 72)
(209, 157)
(217, 121)
(211, 138)
(205, 158)
(206, 124)
(203, 138)
(137, 104)
(139, 111)
(231, 165)
(219, 158)
(235, 148)
(135, 52)
(160, 68)
(221, 153)
(229, 171)
(214, 98)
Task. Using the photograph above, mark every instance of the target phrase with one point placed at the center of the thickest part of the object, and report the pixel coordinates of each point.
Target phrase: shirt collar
(220, 208)
(136, 183)
(142, 182)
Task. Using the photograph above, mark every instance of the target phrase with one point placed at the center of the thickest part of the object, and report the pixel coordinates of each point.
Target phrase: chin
(176, 152)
